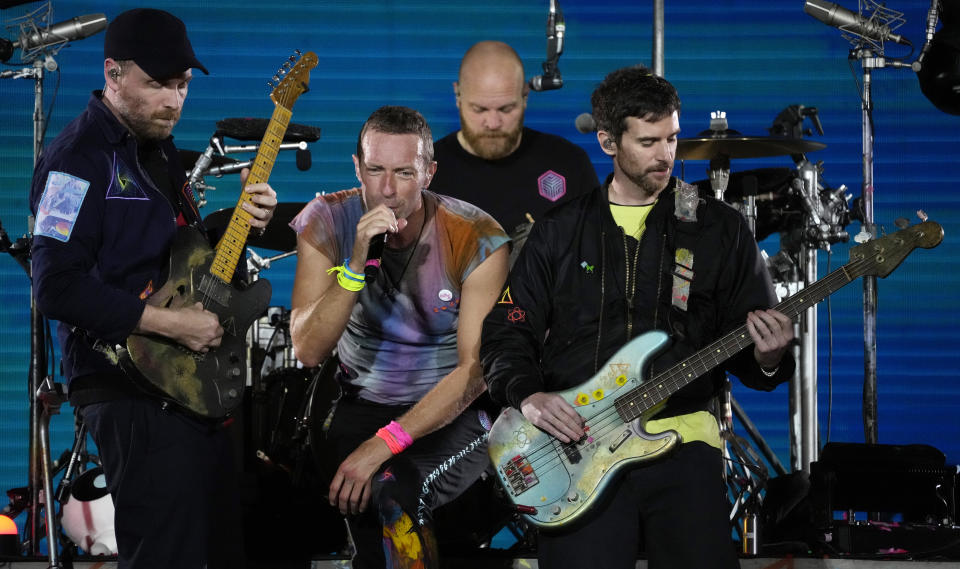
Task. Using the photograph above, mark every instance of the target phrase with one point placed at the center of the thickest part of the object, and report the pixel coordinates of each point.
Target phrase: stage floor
(525, 563)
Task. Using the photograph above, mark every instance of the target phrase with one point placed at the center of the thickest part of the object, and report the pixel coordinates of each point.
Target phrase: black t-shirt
(545, 170)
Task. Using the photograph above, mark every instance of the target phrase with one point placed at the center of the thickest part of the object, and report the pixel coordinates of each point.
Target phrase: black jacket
(95, 278)
(564, 311)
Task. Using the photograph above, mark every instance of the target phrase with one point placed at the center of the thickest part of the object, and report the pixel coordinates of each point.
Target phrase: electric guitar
(210, 385)
(555, 483)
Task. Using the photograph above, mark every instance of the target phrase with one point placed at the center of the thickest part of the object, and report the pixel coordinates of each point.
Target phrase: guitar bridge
(518, 472)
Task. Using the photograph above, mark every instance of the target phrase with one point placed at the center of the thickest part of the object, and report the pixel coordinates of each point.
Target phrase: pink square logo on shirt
(551, 185)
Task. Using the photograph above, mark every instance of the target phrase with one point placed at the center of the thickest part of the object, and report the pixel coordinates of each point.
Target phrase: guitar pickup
(572, 452)
(519, 474)
(620, 440)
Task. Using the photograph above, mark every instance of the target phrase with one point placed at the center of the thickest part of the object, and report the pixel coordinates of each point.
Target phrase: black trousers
(174, 483)
(431, 472)
(675, 505)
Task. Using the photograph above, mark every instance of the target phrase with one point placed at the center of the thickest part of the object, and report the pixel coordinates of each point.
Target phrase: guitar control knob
(555, 510)
(232, 394)
(235, 372)
(573, 497)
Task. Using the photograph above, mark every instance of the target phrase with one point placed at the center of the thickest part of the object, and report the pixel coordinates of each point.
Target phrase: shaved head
(492, 96)
(490, 61)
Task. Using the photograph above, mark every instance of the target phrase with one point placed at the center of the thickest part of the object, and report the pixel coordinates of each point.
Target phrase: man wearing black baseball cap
(109, 194)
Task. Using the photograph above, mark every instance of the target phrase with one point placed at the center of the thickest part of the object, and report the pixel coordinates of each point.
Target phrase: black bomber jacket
(568, 300)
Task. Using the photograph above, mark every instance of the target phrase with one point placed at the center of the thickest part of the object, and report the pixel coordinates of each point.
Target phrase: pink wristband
(392, 443)
(399, 434)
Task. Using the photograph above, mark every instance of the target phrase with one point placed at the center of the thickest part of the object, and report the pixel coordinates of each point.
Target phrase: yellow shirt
(697, 426)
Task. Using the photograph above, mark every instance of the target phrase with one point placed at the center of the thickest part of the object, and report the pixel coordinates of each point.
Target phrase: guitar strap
(686, 233)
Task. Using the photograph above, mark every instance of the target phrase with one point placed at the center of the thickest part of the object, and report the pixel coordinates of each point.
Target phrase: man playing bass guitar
(641, 252)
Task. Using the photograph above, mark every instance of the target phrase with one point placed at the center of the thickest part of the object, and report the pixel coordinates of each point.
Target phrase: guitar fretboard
(230, 247)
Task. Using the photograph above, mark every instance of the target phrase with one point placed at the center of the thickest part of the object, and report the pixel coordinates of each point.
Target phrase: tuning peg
(901, 222)
(277, 79)
(922, 215)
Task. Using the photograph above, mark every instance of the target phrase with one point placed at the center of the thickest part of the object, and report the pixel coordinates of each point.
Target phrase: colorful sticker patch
(123, 185)
(551, 185)
(682, 276)
(59, 206)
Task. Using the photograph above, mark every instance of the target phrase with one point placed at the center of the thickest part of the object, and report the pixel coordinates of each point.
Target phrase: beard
(491, 144)
(643, 180)
(143, 126)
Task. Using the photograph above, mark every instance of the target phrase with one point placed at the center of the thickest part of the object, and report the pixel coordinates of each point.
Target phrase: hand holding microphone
(372, 232)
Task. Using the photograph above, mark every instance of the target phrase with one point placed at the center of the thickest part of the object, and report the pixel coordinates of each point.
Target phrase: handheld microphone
(374, 254)
(556, 27)
(834, 15)
(62, 32)
(585, 123)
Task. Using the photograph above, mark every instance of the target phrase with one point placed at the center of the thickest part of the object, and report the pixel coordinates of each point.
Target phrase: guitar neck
(652, 393)
(230, 247)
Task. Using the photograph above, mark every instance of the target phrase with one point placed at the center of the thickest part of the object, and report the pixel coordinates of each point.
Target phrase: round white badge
(445, 295)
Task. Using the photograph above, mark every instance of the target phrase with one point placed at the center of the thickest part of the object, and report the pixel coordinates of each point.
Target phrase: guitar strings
(548, 456)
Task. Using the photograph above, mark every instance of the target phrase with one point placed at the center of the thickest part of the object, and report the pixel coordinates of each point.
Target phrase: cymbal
(278, 235)
(256, 128)
(743, 147)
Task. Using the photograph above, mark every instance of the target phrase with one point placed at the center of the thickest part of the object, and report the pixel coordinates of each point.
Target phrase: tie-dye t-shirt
(401, 341)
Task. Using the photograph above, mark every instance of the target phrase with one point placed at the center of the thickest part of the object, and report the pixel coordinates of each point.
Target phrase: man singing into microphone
(403, 432)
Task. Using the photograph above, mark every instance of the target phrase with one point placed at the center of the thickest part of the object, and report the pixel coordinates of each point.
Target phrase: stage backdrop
(748, 58)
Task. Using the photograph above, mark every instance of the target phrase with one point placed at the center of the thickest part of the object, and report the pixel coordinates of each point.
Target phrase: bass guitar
(210, 385)
(555, 483)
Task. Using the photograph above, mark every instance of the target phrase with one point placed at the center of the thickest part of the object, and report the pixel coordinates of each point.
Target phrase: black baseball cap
(155, 40)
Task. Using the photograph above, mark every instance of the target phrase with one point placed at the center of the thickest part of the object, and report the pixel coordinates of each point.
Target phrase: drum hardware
(277, 236)
(214, 162)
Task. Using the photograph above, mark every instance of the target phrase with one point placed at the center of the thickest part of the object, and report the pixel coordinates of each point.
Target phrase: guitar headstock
(296, 79)
(885, 254)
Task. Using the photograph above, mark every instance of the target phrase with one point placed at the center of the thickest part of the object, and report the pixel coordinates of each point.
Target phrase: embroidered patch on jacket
(682, 277)
(587, 268)
(517, 314)
(59, 206)
(505, 298)
(552, 186)
(147, 291)
(123, 185)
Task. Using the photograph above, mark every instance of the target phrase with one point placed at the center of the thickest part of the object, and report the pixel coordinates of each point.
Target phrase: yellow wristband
(344, 279)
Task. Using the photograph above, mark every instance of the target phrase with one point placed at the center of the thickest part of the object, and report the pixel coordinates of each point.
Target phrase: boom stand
(39, 457)
(868, 232)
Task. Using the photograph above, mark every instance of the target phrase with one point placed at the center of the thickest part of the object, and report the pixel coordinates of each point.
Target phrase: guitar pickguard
(562, 481)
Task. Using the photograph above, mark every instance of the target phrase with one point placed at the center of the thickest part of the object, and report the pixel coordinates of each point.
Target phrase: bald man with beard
(493, 161)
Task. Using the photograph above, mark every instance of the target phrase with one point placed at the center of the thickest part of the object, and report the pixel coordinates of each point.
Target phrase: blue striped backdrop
(749, 58)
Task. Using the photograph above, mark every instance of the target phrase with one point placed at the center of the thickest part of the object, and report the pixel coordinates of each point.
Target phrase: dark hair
(632, 92)
(398, 120)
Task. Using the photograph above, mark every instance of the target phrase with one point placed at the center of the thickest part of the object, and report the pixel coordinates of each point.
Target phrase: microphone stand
(38, 453)
(868, 231)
